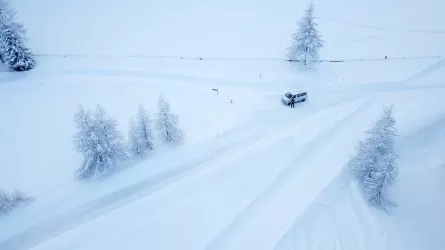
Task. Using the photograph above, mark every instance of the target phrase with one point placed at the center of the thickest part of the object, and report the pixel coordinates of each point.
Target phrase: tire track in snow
(104, 204)
(66, 221)
(254, 227)
(338, 218)
(318, 226)
(226, 204)
(427, 71)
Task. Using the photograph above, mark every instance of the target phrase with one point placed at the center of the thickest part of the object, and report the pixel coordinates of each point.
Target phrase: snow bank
(418, 221)
(338, 218)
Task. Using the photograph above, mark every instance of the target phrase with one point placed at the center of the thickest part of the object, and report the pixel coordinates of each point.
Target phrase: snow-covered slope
(252, 173)
(248, 28)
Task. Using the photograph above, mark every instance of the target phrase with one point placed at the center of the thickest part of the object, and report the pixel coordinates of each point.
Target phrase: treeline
(102, 144)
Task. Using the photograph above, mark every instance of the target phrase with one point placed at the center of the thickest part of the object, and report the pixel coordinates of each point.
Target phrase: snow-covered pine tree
(8, 202)
(5, 202)
(99, 141)
(167, 123)
(307, 41)
(141, 133)
(374, 164)
(86, 142)
(13, 51)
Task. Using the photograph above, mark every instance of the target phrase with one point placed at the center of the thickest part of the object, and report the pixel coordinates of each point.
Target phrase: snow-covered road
(231, 178)
(317, 162)
(251, 174)
(246, 189)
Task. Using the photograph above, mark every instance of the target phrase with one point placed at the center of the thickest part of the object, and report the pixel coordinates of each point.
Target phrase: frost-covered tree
(13, 51)
(307, 41)
(374, 164)
(9, 201)
(5, 202)
(167, 123)
(141, 133)
(99, 141)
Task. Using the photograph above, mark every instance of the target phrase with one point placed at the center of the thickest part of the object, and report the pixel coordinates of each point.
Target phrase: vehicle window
(288, 95)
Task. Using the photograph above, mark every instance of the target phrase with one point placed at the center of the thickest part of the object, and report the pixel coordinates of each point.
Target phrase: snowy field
(252, 173)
